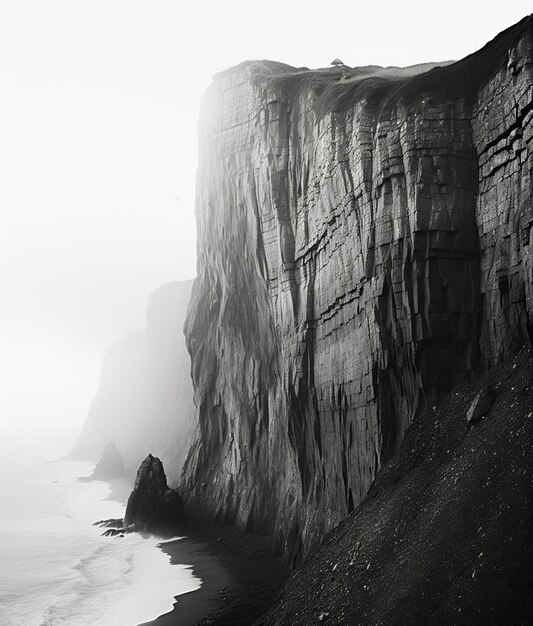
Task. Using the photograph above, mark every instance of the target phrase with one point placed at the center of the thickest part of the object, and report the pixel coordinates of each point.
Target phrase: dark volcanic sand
(240, 578)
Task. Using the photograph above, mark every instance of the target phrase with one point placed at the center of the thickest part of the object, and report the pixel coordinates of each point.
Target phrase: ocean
(56, 568)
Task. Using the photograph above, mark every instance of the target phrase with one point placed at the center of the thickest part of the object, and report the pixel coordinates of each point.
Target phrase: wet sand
(240, 577)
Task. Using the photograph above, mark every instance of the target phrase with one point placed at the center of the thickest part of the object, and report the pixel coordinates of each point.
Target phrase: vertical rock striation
(363, 241)
(503, 133)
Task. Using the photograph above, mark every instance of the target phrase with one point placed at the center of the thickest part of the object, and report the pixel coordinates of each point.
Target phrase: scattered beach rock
(115, 522)
(113, 532)
(115, 527)
(152, 506)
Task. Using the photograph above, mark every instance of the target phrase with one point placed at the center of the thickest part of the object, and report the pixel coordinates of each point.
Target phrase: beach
(240, 577)
(81, 577)
(239, 574)
(57, 568)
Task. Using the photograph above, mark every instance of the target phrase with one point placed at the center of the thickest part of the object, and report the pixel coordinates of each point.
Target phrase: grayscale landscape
(267, 313)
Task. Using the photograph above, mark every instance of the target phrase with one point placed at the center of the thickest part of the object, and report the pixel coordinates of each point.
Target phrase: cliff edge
(364, 243)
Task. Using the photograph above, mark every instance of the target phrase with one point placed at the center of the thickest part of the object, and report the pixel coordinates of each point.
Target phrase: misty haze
(266, 313)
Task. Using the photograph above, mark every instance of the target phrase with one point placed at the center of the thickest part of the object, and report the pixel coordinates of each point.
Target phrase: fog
(98, 111)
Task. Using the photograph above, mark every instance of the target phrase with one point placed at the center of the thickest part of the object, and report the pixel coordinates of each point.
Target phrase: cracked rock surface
(363, 247)
(445, 534)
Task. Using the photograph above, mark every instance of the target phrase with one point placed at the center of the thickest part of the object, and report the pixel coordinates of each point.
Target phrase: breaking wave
(58, 569)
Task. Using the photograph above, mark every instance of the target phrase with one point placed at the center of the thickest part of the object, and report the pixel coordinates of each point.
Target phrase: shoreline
(189, 608)
(239, 574)
(240, 578)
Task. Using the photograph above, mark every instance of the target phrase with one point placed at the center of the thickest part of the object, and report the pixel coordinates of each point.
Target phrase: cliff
(445, 534)
(144, 401)
(363, 247)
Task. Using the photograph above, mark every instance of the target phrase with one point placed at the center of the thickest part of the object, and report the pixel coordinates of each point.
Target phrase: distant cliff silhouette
(144, 400)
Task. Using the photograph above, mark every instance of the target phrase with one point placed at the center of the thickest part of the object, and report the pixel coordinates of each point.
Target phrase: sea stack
(366, 249)
(152, 506)
(110, 465)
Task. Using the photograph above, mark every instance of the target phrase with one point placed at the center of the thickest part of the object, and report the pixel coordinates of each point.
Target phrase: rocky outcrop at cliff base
(152, 507)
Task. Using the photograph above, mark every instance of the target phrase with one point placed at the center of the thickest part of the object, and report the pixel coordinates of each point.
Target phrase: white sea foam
(58, 569)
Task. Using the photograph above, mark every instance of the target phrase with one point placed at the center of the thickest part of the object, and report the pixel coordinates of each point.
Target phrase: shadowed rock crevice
(445, 535)
(364, 246)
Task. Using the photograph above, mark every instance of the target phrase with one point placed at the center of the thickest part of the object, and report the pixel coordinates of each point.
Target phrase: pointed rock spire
(152, 506)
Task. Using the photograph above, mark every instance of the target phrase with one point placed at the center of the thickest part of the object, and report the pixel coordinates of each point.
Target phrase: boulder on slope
(480, 405)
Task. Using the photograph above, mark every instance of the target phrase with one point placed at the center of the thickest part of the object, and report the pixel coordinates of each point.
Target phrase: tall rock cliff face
(145, 400)
(364, 240)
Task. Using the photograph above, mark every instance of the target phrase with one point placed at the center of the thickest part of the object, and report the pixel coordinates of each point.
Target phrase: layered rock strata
(363, 246)
(445, 534)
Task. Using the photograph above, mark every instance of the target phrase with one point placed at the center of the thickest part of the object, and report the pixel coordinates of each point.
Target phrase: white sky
(98, 114)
